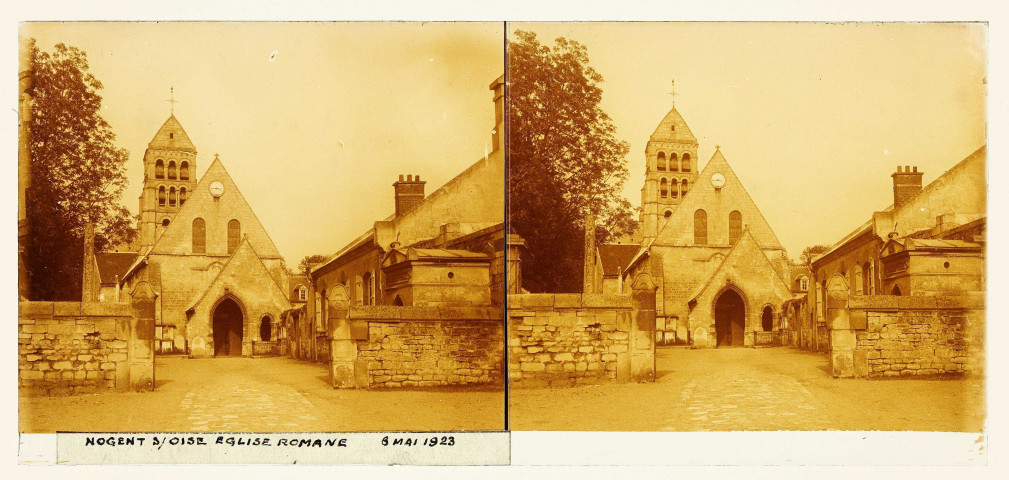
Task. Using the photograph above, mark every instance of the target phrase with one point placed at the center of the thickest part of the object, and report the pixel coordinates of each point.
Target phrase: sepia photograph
(747, 226)
(261, 227)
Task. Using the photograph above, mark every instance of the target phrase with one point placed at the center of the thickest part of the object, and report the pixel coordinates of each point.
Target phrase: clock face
(217, 189)
(718, 180)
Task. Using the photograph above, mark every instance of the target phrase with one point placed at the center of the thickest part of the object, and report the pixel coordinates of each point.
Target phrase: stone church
(720, 270)
(218, 278)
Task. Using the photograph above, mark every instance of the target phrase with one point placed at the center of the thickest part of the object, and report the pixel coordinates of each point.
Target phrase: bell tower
(169, 178)
(670, 171)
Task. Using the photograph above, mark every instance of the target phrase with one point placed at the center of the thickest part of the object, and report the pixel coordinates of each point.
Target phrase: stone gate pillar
(141, 341)
(342, 349)
(840, 334)
(642, 334)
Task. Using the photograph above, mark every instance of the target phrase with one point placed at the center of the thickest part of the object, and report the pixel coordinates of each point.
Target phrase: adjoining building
(720, 270)
(217, 276)
(439, 250)
(903, 294)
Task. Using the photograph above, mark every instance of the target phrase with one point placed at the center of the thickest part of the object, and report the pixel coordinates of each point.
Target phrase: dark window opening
(767, 319)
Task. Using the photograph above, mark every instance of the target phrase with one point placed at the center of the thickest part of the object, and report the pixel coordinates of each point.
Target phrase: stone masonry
(560, 340)
(932, 336)
(71, 347)
(568, 339)
(394, 347)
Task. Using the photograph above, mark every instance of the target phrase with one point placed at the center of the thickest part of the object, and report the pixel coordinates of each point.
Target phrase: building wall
(71, 348)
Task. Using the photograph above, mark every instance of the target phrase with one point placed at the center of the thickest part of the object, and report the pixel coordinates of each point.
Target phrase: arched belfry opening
(730, 319)
(228, 325)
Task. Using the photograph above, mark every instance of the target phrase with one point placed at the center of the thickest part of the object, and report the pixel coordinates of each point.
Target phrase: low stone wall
(562, 340)
(394, 347)
(767, 339)
(262, 348)
(898, 336)
(559, 340)
(71, 347)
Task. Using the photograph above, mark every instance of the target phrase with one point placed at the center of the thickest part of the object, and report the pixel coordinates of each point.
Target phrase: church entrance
(227, 320)
(730, 318)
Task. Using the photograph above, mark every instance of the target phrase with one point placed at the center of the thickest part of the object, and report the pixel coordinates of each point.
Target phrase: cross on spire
(172, 100)
(672, 84)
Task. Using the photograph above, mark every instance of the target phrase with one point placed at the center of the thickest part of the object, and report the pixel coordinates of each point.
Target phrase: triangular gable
(216, 212)
(679, 230)
(245, 275)
(745, 263)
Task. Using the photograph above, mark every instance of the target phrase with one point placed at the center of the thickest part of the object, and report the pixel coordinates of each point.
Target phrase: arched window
(265, 329)
(161, 195)
(663, 188)
(660, 162)
(895, 291)
(735, 226)
(673, 163)
(165, 222)
(302, 294)
(171, 170)
(234, 235)
(683, 187)
(673, 188)
(182, 196)
(686, 163)
(398, 301)
(804, 283)
(172, 197)
(700, 227)
(866, 279)
(199, 236)
(767, 319)
(184, 171)
(159, 169)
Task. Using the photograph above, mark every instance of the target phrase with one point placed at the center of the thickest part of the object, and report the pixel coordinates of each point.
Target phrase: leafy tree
(309, 262)
(564, 160)
(810, 252)
(77, 174)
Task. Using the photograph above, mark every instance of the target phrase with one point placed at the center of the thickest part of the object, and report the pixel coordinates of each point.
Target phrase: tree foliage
(810, 252)
(565, 161)
(309, 262)
(77, 174)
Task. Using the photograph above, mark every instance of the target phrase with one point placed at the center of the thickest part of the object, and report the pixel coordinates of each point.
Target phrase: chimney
(588, 277)
(409, 194)
(498, 87)
(906, 184)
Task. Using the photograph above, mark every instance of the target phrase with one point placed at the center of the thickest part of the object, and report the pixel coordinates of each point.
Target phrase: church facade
(720, 270)
(217, 276)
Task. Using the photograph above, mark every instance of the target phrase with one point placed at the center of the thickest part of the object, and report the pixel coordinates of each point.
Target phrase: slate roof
(111, 264)
(615, 257)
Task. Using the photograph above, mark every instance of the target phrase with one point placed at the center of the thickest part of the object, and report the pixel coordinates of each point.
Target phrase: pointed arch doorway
(730, 319)
(228, 321)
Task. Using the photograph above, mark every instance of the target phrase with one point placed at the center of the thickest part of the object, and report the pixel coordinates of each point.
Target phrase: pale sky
(813, 118)
(314, 138)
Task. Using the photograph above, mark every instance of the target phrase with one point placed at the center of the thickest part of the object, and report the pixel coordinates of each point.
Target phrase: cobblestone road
(262, 395)
(753, 389)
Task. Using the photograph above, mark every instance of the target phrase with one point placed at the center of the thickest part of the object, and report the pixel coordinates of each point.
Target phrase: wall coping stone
(915, 302)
